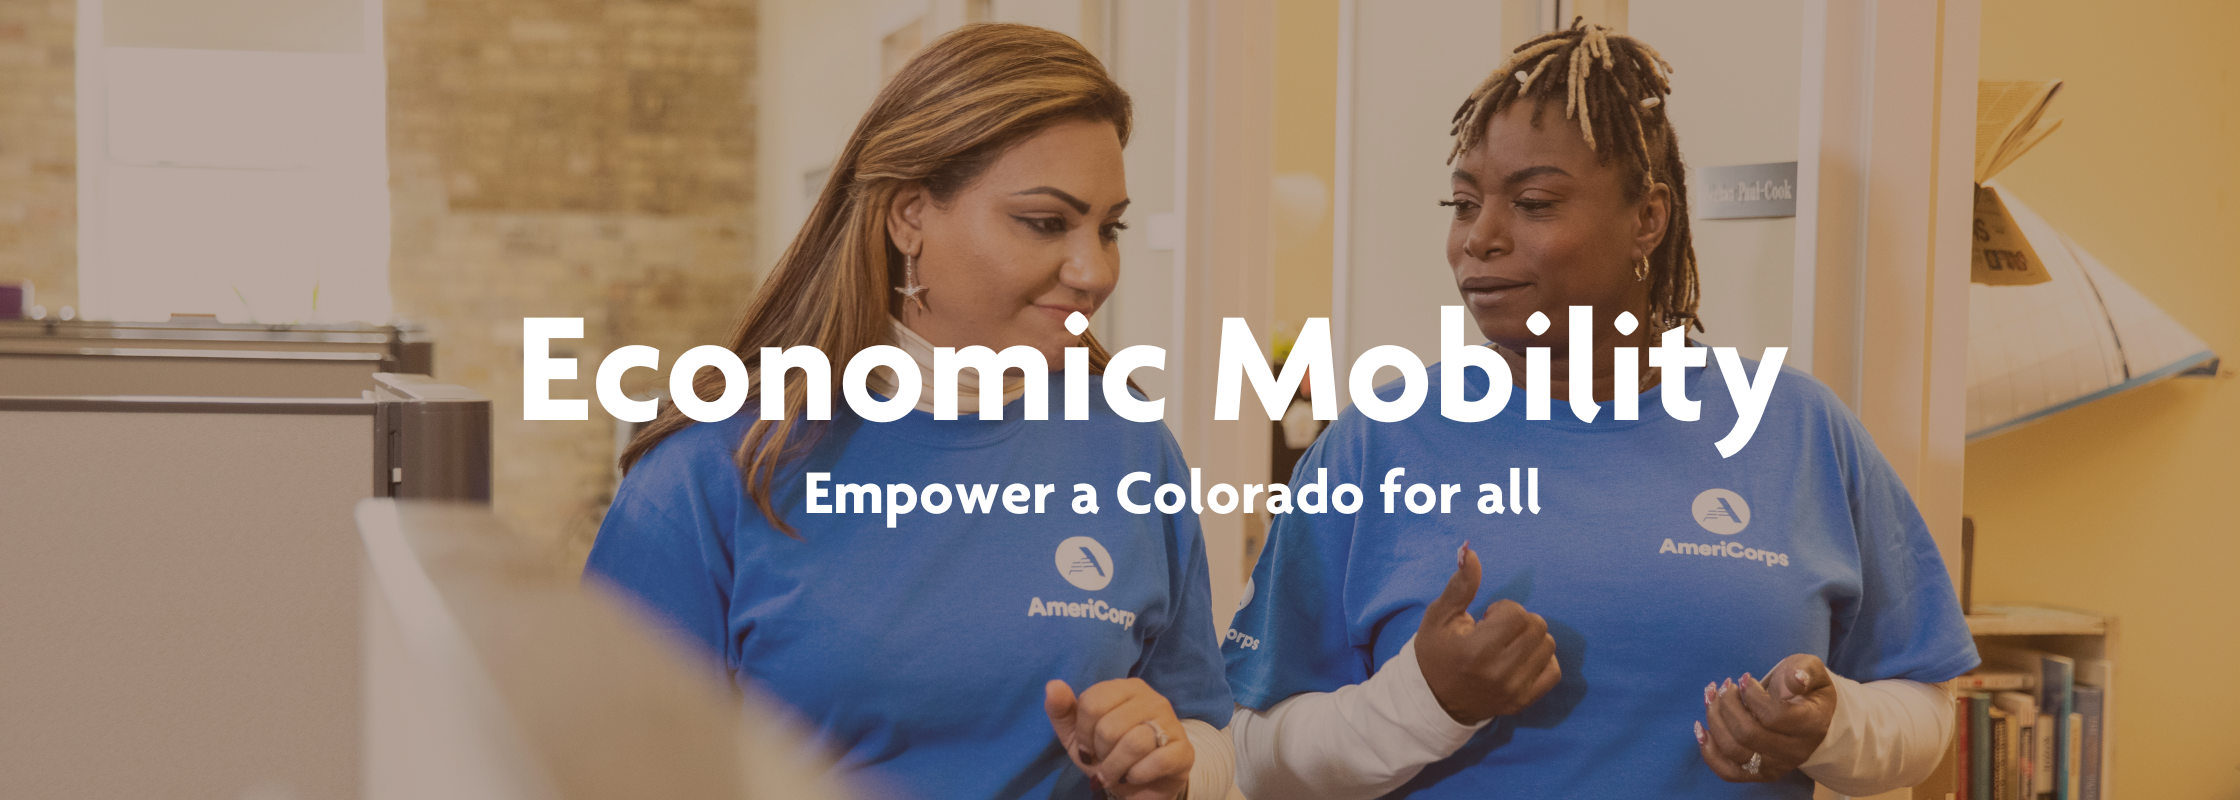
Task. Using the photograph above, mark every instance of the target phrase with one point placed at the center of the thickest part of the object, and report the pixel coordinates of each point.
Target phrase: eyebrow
(1521, 175)
(1516, 177)
(1079, 206)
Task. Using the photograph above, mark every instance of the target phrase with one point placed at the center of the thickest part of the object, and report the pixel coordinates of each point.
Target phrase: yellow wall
(1305, 153)
(2125, 506)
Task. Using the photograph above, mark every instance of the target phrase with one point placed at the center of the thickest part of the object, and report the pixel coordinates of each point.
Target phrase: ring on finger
(1757, 761)
(1158, 735)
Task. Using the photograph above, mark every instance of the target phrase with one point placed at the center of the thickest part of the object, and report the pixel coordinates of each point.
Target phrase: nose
(1488, 236)
(1091, 267)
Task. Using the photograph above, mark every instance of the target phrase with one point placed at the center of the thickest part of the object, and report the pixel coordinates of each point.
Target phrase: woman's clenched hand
(1125, 735)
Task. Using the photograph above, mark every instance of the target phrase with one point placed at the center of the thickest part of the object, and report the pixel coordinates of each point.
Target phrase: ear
(906, 217)
(1653, 218)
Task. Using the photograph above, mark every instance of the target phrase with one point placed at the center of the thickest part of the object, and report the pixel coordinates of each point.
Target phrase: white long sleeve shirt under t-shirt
(1367, 739)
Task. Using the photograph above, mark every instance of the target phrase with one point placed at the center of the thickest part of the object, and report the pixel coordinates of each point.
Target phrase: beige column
(1226, 116)
(1883, 224)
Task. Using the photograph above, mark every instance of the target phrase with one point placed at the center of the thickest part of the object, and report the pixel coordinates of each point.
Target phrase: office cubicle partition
(178, 596)
(179, 582)
(489, 676)
(432, 440)
(202, 359)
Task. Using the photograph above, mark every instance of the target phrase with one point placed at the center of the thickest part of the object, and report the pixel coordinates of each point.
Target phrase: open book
(2010, 119)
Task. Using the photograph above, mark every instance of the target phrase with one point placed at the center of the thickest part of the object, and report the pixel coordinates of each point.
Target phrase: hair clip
(1650, 102)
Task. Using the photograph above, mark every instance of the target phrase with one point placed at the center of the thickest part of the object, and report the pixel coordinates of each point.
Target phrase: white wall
(1144, 59)
(233, 160)
(1413, 64)
(817, 68)
(1735, 101)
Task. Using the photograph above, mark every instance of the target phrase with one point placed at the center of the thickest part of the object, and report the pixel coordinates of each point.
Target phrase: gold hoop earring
(1641, 272)
(910, 289)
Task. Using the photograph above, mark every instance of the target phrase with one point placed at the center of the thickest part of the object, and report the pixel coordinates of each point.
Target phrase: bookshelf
(1989, 620)
(2082, 635)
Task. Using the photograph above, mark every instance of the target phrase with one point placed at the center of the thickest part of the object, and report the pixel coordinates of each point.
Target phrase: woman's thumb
(1058, 702)
(1462, 587)
(1805, 676)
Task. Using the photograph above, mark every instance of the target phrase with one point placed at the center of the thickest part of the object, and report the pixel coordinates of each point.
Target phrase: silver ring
(1159, 735)
(1756, 762)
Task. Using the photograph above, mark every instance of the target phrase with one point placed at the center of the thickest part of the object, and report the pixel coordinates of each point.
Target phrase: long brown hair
(941, 121)
(1621, 105)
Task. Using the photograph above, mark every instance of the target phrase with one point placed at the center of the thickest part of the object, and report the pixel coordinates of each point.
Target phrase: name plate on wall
(1745, 191)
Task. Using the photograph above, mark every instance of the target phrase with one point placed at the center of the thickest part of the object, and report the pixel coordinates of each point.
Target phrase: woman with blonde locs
(1680, 622)
(976, 204)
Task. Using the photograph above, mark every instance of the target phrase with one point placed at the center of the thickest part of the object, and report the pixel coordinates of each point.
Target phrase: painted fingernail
(1746, 679)
(1458, 553)
(1801, 679)
(1726, 686)
(1699, 732)
(1710, 693)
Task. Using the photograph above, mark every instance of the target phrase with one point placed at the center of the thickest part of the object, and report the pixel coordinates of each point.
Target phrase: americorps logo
(1725, 513)
(1085, 563)
(1088, 566)
(1721, 511)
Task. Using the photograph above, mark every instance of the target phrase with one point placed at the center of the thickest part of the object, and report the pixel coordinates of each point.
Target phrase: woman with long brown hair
(976, 204)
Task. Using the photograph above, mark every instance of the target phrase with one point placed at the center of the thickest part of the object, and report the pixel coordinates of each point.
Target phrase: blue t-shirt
(1658, 565)
(919, 652)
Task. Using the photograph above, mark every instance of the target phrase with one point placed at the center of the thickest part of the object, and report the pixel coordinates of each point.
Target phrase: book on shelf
(2003, 733)
(2092, 711)
(1997, 680)
(2046, 728)
(2072, 734)
(1963, 761)
(2056, 684)
(1979, 746)
(2022, 712)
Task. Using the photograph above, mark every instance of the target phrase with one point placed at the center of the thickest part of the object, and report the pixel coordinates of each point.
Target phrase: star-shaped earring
(910, 289)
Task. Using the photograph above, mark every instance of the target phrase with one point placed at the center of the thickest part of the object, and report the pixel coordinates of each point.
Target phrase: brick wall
(38, 148)
(582, 158)
(568, 158)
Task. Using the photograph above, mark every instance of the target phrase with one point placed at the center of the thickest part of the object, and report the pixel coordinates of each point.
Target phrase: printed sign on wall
(1744, 191)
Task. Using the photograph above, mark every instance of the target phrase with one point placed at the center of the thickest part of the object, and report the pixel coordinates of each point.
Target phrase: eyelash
(1529, 206)
(1056, 226)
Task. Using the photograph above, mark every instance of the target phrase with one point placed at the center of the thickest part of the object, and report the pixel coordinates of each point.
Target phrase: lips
(1061, 313)
(1488, 290)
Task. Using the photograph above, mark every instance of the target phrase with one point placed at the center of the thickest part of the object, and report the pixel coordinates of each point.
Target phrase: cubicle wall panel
(296, 375)
(178, 604)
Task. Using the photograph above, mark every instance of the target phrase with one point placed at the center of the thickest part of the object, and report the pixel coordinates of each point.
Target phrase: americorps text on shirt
(1242, 359)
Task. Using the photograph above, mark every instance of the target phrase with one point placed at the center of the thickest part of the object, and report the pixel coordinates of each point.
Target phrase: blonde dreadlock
(1622, 104)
